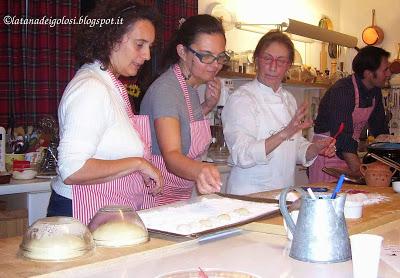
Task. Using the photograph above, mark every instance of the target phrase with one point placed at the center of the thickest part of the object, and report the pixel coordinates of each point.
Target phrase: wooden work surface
(13, 265)
(374, 215)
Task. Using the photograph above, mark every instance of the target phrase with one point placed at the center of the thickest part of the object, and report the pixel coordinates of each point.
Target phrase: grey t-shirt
(164, 98)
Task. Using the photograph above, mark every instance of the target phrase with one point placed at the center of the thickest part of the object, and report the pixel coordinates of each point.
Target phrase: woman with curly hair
(104, 147)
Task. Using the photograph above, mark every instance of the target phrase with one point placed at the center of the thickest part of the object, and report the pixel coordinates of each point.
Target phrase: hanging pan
(372, 34)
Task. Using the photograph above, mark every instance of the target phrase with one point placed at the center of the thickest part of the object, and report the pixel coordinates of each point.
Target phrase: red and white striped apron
(127, 190)
(360, 118)
(176, 188)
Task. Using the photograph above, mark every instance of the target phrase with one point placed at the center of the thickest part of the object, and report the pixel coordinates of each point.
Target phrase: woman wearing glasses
(266, 142)
(180, 132)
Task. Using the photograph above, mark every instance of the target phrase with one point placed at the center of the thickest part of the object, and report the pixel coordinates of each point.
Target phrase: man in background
(355, 101)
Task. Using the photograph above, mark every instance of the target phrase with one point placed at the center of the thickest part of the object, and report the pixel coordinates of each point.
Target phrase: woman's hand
(326, 146)
(298, 122)
(212, 94)
(151, 175)
(208, 179)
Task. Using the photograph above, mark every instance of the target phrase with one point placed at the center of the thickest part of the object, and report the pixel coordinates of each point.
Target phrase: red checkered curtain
(12, 66)
(36, 60)
(172, 11)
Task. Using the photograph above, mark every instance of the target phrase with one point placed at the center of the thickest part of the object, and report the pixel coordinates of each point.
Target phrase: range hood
(302, 29)
(306, 32)
(314, 32)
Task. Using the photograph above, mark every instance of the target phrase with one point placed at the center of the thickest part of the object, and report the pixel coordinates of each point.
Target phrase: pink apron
(360, 118)
(127, 190)
(176, 188)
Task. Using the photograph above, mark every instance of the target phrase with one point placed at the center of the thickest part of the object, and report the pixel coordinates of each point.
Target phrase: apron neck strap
(123, 92)
(183, 85)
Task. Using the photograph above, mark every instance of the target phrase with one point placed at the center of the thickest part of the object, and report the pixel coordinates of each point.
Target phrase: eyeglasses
(208, 58)
(280, 61)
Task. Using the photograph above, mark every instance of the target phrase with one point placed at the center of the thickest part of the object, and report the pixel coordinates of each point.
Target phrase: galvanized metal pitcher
(320, 235)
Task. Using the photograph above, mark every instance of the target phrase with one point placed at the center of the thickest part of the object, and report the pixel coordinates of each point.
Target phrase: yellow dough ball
(205, 223)
(114, 234)
(55, 248)
(242, 211)
(224, 217)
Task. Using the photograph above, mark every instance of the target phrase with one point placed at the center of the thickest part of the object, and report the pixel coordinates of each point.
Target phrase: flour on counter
(207, 213)
(367, 198)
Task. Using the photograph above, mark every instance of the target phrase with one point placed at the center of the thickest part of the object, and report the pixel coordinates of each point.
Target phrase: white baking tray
(207, 214)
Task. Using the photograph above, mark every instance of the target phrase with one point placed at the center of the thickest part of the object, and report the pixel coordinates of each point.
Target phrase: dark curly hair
(187, 34)
(95, 42)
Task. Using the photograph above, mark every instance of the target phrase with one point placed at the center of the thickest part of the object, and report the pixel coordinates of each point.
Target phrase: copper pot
(377, 174)
(372, 34)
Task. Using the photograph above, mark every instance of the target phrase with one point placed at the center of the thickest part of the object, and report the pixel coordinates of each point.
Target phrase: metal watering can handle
(283, 206)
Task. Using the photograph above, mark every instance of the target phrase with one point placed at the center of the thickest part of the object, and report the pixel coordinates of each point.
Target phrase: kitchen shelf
(295, 83)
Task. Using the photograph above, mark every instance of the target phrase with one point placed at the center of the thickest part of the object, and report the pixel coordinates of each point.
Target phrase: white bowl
(56, 238)
(118, 226)
(26, 174)
(396, 186)
(353, 210)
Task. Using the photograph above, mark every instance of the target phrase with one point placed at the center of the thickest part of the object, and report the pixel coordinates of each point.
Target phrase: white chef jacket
(253, 113)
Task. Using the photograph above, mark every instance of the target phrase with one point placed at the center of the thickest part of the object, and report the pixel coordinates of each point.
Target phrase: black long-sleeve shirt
(337, 106)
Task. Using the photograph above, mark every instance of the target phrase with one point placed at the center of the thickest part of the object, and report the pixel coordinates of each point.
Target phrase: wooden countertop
(13, 265)
(374, 215)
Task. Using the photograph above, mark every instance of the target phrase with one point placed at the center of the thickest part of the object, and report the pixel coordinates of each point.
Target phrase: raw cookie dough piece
(223, 218)
(242, 211)
(205, 223)
(116, 234)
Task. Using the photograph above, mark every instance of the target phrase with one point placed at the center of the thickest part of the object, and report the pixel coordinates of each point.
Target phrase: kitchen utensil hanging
(395, 65)
(333, 50)
(372, 34)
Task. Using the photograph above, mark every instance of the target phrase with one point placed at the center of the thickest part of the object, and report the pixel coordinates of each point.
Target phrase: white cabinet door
(37, 203)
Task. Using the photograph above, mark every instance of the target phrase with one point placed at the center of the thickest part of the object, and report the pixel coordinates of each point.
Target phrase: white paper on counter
(203, 213)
